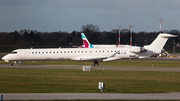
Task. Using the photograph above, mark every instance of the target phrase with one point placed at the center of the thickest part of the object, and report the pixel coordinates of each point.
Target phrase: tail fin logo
(86, 42)
(86, 45)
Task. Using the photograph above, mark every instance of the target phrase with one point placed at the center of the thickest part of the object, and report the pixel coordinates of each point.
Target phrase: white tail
(157, 45)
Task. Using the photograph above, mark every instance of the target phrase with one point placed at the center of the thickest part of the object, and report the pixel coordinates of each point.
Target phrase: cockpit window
(14, 52)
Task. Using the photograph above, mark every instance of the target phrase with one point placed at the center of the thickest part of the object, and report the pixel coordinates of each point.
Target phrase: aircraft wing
(83, 58)
(98, 58)
(114, 54)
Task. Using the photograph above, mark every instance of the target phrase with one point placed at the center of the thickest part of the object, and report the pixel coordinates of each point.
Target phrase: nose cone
(5, 58)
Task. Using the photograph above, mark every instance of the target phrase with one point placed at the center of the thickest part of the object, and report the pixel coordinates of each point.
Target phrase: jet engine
(136, 49)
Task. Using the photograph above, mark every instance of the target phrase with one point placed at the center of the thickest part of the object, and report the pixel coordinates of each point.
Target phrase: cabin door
(22, 54)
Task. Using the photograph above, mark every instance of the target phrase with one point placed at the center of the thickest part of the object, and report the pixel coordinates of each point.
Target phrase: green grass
(77, 81)
(140, 63)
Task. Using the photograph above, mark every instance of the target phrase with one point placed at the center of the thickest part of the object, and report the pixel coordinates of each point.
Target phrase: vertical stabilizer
(157, 45)
(86, 42)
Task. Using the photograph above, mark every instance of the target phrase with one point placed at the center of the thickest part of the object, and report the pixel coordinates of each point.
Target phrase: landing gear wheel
(11, 63)
(96, 63)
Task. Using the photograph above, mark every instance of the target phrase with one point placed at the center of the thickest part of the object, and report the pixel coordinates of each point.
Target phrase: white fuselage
(98, 54)
(109, 46)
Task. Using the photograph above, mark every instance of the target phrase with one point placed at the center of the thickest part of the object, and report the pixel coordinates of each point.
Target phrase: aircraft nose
(5, 58)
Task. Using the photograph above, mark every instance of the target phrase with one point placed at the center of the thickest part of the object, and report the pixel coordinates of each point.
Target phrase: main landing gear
(96, 63)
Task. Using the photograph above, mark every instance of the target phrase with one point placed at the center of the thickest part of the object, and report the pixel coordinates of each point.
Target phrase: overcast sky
(70, 15)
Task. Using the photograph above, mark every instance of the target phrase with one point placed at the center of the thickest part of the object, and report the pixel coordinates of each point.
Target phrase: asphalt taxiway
(121, 68)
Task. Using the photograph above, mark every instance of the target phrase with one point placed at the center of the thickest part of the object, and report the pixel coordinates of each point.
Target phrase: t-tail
(157, 45)
(86, 42)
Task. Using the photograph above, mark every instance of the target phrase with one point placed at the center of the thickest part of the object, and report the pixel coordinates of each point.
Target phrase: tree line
(33, 38)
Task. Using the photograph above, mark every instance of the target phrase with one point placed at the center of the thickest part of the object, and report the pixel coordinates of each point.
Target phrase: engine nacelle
(136, 49)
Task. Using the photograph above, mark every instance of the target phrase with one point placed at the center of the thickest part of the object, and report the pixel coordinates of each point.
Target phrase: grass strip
(77, 81)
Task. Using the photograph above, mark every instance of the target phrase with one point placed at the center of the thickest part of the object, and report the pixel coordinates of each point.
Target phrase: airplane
(87, 44)
(89, 54)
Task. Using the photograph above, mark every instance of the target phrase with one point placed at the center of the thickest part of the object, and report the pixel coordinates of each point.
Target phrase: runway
(92, 96)
(120, 68)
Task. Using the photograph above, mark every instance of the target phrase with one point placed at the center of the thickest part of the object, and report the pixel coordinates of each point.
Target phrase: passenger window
(32, 52)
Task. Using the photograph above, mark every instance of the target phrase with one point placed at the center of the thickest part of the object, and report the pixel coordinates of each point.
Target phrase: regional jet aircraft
(87, 44)
(89, 54)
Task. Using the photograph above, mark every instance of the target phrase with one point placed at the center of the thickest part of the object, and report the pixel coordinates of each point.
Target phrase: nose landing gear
(11, 63)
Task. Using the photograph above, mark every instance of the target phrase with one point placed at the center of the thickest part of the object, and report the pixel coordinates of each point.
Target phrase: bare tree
(90, 28)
